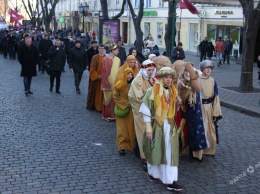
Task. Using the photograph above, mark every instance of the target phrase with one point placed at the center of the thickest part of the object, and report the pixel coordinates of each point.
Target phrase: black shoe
(58, 92)
(30, 92)
(144, 166)
(175, 187)
(78, 91)
(151, 178)
(26, 92)
(121, 152)
(51, 89)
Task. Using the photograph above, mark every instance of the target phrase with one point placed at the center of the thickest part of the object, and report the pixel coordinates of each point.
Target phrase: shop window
(161, 3)
(148, 3)
(146, 29)
(159, 38)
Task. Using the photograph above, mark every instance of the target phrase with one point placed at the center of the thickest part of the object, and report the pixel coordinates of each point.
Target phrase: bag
(46, 64)
(121, 113)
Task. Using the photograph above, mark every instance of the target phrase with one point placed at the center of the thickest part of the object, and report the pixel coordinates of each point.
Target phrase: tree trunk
(168, 34)
(139, 36)
(47, 25)
(249, 38)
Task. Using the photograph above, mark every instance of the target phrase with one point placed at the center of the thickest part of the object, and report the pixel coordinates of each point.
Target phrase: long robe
(109, 71)
(136, 92)
(163, 158)
(210, 108)
(124, 126)
(95, 94)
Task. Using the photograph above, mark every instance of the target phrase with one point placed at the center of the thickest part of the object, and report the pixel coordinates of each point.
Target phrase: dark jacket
(203, 45)
(121, 54)
(78, 59)
(36, 42)
(28, 57)
(44, 47)
(210, 49)
(228, 45)
(91, 52)
(57, 58)
(66, 42)
(176, 55)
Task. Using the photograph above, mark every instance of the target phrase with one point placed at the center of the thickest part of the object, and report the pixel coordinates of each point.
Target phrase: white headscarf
(147, 64)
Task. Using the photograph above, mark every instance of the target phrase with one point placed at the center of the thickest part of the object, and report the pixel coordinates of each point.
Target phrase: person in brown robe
(95, 94)
(125, 131)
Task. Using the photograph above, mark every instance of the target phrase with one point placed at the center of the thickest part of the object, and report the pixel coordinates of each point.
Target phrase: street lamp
(84, 10)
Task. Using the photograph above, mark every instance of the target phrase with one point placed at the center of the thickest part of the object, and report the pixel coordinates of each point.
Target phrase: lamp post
(84, 8)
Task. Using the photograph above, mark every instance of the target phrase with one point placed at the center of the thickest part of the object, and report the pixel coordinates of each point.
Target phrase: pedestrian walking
(203, 48)
(44, 46)
(28, 58)
(110, 66)
(95, 94)
(143, 80)
(78, 63)
(57, 57)
(178, 52)
(125, 134)
(228, 46)
(161, 141)
(219, 49)
(210, 50)
(210, 108)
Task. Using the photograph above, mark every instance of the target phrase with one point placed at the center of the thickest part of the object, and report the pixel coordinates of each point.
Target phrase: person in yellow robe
(125, 135)
(143, 80)
(211, 111)
(110, 66)
(95, 94)
(130, 62)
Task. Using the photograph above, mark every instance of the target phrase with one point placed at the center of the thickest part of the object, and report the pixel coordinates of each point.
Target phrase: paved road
(50, 143)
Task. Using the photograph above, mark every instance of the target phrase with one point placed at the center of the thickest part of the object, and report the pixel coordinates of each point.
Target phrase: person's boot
(51, 88)
(77, 90)
(58, 90)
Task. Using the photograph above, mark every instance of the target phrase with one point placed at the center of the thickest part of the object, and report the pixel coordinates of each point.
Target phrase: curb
(240, 109)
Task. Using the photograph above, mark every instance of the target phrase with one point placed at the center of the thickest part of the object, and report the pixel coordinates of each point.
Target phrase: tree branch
(131, 10)
(121, 12)
(141, 10)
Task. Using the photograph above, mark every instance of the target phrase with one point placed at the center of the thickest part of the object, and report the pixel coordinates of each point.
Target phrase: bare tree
(48, 13)
(137, 23)
(251, 25)
(30, 8)
(104, 9)
(15, 5)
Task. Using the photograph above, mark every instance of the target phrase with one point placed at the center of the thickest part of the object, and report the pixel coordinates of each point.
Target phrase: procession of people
(161, 109)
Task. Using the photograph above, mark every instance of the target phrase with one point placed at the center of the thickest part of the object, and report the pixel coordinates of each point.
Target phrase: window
(137, 3)
(117, 2)
(161, 3)
(148, 3)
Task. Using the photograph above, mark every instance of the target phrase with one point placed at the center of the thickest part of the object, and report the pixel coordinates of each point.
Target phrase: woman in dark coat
(210, 49)
(28, 58)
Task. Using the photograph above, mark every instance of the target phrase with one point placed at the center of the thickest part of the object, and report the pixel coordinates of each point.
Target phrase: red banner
(186, 4)
(14, 16)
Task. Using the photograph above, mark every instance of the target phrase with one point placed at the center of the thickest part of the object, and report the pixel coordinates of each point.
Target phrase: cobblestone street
(50, 143)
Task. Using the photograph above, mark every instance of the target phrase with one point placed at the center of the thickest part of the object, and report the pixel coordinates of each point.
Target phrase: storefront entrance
(125, 32)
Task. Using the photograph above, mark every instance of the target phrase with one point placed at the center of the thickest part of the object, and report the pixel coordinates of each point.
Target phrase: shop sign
(62, 20)
(150, 13)
(202, 13)
(125, 14)
(223, 12)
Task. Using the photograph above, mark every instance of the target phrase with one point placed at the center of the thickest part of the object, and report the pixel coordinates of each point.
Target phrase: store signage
(150, 13)
(125, 14)
(202, 13)
(223, 12)
(62, 20)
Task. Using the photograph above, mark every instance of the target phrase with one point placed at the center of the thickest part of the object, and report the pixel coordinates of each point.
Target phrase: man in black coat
(228, 46)
(178, 53)
(57, 62)
(28, 57)
(203, 48)
(92, 51)
(78, 62)
(121, 52)
(44, 46)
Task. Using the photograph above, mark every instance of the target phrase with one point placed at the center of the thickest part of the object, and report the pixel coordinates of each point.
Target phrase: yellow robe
(209, 111)
(124, 126)
(136, 92)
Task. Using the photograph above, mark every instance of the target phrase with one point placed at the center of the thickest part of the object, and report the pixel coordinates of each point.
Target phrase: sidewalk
(228, 78)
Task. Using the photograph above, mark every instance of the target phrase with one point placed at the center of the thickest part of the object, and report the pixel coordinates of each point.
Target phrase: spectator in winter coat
(219, 49)
(57, 61)
(92, 51)
(78, 62)
(178, 52)
(44, 46)
(228, 46)
(121, 52)
(210, 50)
(203, 48)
